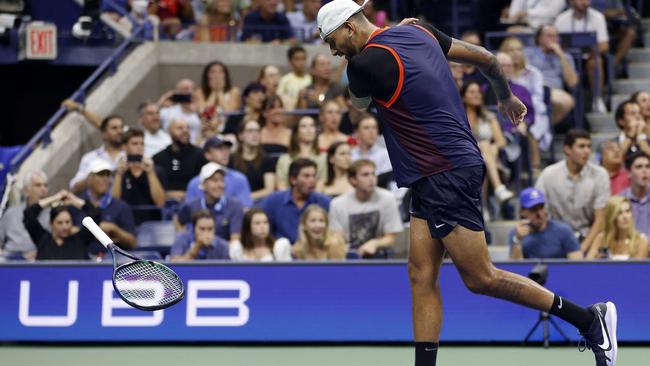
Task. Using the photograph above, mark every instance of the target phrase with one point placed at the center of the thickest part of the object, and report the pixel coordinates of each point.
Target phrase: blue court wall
(318, 302)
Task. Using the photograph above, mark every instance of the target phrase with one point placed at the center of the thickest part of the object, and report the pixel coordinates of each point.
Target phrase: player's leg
(425, 258)
(597, 323)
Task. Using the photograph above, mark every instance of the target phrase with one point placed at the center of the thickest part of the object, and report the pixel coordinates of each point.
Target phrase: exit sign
(40, 41)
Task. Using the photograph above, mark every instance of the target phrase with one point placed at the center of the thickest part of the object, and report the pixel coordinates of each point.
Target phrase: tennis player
(404, 70)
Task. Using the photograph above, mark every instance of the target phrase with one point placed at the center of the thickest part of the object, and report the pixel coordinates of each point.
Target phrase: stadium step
(639, 55)
(629, 86)
(602, 123)
(500, 230)
(618, 99)
(597, 139)
(646, 23)
(639, 70)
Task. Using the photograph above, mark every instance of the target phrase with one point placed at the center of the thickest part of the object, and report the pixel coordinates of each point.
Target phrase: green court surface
(305, 355)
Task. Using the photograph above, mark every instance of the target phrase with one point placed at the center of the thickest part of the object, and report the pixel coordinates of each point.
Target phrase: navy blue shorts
(450, 198)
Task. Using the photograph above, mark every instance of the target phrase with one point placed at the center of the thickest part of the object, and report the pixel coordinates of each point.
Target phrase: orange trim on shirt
(400, 82)
(376, 32)
(426, 31)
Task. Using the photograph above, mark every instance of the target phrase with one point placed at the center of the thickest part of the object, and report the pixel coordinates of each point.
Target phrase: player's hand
(408, 21)
(514, 109)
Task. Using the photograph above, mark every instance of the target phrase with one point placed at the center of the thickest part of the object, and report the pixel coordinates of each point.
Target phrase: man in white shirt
(180, 104)
(156, 138)
(535, 13)
(582, 18)
(112, 128)
(303, 23)
(368, 217)
(369, 148)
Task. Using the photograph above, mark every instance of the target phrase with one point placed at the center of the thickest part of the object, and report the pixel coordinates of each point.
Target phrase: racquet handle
(90, 224)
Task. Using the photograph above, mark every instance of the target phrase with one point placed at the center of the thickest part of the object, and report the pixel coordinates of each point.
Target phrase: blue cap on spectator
(531, 197)
(216, 141)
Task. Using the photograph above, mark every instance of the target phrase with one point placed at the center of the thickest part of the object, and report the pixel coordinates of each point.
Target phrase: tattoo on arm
(508, 289)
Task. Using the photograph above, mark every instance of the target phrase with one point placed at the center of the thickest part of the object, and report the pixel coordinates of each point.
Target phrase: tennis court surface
(163, 355)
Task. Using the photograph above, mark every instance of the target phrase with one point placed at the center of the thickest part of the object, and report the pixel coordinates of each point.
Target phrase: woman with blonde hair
(532, 79)
(619, 240)
(315, 239)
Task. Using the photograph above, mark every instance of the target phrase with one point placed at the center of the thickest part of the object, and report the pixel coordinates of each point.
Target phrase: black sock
(425, 353)
(580, 317)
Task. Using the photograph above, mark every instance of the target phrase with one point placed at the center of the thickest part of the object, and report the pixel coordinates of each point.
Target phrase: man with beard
(111, 151)
(180, 161)
(537, 236)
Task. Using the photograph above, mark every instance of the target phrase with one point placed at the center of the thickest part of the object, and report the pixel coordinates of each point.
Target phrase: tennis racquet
(143, 284)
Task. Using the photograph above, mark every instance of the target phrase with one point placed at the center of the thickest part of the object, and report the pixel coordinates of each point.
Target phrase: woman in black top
(65, 241)
(251, 160)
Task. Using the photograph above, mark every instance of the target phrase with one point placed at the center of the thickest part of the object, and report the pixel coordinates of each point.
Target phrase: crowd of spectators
(244, 180)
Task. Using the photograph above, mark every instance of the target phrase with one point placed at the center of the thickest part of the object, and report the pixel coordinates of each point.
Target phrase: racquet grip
(90, 224)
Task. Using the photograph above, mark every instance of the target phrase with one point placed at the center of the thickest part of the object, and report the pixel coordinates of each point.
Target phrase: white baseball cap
(209, 169)
(100, 165)
(333, 14)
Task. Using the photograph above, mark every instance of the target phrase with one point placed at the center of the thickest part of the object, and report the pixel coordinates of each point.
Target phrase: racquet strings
(148, 284)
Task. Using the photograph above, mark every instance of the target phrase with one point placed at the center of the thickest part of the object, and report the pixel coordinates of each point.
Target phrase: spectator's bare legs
(626, 38)
(425, 258)
(490, 156)
(468, 250)
(562, 103)
(535, 157)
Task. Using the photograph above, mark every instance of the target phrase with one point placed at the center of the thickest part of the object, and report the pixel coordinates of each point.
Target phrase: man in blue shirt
(116, 215)
(266, 24)
(284, 208)
(536, 236)
(228, 212)
(217, 150)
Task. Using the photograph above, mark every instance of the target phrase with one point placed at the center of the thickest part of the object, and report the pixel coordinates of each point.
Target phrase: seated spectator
(14, 239)
(136, 180)
(292, 83)
(266, 24)
(179, 162)
(316, 240)
(181, 104)
(581, 18)
(285, 207)
(612, 161)
(276, 136)
(338, 163)
(330, 121)
(227, 211)
(531, 78)
(487, 132)
(201, 242)
(303, 145)
(156, 139)
(173, 14)
(642, 98)
(110, 151)
(257, 244)
(116, 216)
(253, 98)
(619, 240)
(538, 236)
(533, 14)
(218, 23)
(638, 165)
(63, 242)
(252, 161)
(576, 189)
(367, 216)
(621, 26)
(217, 94)
(322, 88)
(217, 150)
(557, 68)
(632, 136)
(368, 147)
(471, 72)
(457, 72)
(269, 76)
(303, 22)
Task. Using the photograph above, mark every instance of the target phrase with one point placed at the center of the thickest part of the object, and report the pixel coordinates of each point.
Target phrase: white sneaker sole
(610, 320)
